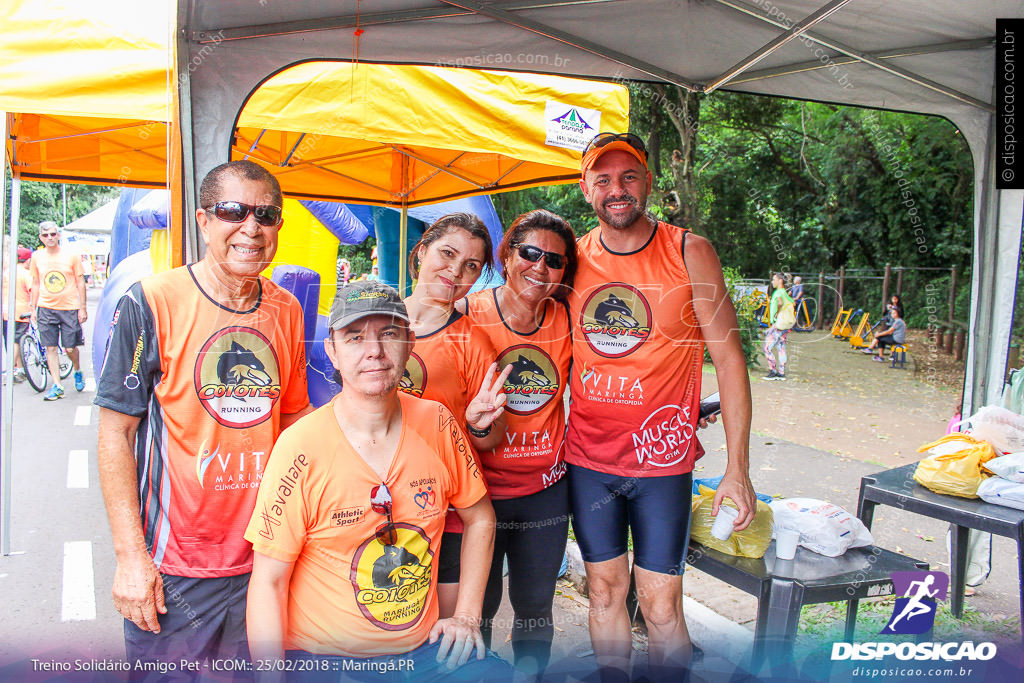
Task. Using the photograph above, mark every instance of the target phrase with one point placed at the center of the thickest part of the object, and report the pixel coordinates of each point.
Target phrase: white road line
(78, 597)
(78, 470)
(82, 416)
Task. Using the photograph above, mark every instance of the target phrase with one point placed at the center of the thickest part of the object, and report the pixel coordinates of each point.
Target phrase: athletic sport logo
(55, 282)
(915, 613)
(414, 379)
(391, 582)
(237, 377)
(615, 320)
(533, 382)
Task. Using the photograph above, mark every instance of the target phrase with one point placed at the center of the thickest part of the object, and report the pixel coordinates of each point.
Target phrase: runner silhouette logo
(914, 613)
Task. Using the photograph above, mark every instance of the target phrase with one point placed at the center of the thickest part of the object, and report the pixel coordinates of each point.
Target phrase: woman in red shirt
(452, 361)
(527, 322)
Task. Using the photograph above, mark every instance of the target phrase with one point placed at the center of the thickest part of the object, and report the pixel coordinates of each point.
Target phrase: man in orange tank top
(648, 296)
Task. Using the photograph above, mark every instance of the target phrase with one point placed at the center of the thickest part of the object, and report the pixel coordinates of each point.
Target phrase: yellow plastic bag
(751, 542)
(955, 465)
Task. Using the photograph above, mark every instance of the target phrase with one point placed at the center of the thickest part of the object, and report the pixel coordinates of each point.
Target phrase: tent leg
(8, 389)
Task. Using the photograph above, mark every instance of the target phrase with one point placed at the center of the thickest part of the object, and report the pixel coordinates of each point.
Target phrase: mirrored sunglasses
(266, 215)
(533, 254)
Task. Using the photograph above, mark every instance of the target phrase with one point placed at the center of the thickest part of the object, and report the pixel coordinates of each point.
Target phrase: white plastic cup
(786, 541)
(722, 527)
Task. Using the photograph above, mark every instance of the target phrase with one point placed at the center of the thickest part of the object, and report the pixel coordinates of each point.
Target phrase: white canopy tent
(926, 56)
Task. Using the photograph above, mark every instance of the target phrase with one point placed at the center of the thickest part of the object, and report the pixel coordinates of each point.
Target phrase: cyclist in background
(58, 304)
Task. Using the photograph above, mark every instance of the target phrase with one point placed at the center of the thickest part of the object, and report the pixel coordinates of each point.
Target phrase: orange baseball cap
(613, 142)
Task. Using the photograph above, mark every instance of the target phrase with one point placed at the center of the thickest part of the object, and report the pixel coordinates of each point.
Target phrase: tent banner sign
(570, 127)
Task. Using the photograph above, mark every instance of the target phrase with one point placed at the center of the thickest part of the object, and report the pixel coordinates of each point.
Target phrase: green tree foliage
(44, 202)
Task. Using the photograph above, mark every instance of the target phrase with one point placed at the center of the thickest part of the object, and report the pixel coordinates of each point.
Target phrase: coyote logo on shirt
(534, 379)
(55, 281)
(614, 311)
(237, 377)
(391, 582)
(238, 364)
(616, 319)
(414, 379)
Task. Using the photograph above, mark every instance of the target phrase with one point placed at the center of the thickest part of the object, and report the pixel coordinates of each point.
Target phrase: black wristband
(478, 433)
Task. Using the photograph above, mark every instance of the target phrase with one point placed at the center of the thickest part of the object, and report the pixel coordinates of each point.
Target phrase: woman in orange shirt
(452, 360)
(528, 323)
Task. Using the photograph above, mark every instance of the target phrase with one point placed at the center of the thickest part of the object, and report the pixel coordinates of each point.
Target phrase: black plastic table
(897, 488)
(783, 587)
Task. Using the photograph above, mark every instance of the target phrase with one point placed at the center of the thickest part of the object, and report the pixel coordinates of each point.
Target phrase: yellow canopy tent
(411, 135)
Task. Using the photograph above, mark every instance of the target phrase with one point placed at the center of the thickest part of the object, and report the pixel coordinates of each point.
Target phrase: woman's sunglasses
(602, 139)
(380, 502)
(532, 254)
(266, 215)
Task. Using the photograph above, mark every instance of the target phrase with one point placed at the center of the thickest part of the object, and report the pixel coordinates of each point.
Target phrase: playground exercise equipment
(841, 325)
(759, 301)
(860, 336)
(898, 355)
(804, 316)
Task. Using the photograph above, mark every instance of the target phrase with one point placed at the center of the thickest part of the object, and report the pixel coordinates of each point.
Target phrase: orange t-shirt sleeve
(455, 451)
(76, 267)
(280, 519)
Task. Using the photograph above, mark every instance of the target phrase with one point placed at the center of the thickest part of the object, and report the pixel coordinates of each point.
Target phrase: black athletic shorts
(59, 328)
(655, 509)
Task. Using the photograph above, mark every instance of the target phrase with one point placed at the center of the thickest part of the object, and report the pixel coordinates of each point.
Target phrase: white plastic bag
(1009, 467)
(1001, 428)
(1002, 492)
(824, 528)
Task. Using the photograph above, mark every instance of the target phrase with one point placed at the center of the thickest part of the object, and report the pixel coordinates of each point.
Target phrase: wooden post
(821, 300)
(960, 336)
(899, 282)
(842, 280)
(950, 333)
(952, 292)
(885, 287)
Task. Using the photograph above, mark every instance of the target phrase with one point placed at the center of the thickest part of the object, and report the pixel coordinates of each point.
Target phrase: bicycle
(33, 357)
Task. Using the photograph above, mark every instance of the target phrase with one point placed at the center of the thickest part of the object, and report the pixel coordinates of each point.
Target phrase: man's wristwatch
(478, 433)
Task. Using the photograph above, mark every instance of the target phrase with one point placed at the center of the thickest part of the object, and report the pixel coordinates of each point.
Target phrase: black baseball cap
(365, 298)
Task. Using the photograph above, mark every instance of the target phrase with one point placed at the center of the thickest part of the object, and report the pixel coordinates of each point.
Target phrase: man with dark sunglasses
(348, 523)
(58, 305)
(648, 297)
(205, 366)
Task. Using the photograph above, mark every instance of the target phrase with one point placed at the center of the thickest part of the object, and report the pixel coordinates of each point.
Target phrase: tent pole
(403, 231)
(8, 389)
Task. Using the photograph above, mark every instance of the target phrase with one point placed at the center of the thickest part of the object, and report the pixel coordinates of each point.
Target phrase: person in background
(22, 306)
(453, 361)
(58, 305)
(774, 338)
(205, 367)
(895, 333)
(528, 323)
(796, 292)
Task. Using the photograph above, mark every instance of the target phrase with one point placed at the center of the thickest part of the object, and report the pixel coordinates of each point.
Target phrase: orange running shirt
(531, 457)
(210, 385)
(58, 279)
(349, 593)
(449, 366)
(637, 356)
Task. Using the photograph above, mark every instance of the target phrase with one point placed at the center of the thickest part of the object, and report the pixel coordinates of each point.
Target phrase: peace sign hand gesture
(489, 403)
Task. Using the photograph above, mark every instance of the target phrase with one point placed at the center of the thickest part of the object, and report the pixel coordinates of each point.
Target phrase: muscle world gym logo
(914, 614)
(391, 582)
(533, 381)
(414, 379)
(237, 377)
(615, 320)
